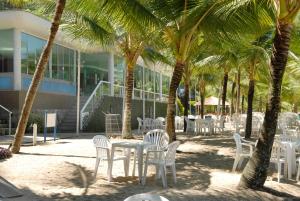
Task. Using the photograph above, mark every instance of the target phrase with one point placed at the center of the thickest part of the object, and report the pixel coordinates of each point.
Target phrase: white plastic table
(146, 197)
(139, 146)
(290, 157)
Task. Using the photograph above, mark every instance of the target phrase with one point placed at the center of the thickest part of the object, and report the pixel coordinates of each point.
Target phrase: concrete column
(50, 65)
(111, 72)
(154, 100)
(17, 60)
(144, 105)
(160, 85)
(78, 93)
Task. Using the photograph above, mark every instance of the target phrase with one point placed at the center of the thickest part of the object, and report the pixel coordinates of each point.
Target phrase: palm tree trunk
(225, 80)
(243, 104)
(232, 98)
(249, 110)
(255, 172)
(176, 78)
(186, 100)
(37, 77)
(202, 96)
(295, 107)
(126, 126)
(238, 91)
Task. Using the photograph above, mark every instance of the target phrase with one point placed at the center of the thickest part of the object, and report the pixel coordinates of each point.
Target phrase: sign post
(50, 122)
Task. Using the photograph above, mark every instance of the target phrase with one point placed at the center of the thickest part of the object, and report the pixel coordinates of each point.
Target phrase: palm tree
(255, 172)
(37, 77)
(253, 56)
(184, 21)
(127, 24)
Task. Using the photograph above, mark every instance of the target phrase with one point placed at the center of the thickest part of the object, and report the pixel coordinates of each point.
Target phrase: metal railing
(103, 88)
(9, 118)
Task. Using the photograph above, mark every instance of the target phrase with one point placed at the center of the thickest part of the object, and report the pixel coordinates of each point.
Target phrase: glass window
(95, 69)
(119, 64)
(138, 77)
(157, 77)
(165, 84)
(6, 50)
(31, 50)
(62, 58)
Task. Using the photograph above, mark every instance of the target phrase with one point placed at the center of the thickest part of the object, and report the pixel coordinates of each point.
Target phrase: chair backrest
(148, 123)
(157, 137)
(171, 152)
(238, 142)
(200, 123)
(140, 121)
(160, 119)
(102, 144)
(256, 123)
(278, 151)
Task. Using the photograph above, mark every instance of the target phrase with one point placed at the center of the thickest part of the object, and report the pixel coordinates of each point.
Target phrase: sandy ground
(63, 170)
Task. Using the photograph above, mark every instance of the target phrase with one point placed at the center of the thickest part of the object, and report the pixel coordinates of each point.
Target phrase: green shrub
(37, 119)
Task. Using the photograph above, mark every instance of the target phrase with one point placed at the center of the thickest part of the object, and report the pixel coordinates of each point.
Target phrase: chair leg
(134, 163)
(96, 167)
(236, 161)
(298, 172)
(157, 174)
(173, 167)
(240, 162)
(278, 171)
(163, 175)
(145, 173)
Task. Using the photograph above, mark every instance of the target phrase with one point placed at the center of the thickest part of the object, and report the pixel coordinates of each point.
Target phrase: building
(22, 38)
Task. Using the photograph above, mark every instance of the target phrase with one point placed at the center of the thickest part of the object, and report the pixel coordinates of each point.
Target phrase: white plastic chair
(161, 160)
(145, 197)
(241, 153)
(219, 124)
(278, 156)
(158, 138)
(256, 126)
(190, 125)
(140, 126)
(148, 123)
(178, 123)
(200, 126)
(159, 123)
(103, 153)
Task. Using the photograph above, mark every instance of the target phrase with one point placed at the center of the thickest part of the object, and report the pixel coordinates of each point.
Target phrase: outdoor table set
(155, 145)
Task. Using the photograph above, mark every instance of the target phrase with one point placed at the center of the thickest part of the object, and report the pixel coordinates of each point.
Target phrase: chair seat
(116, 158)
(159, 162)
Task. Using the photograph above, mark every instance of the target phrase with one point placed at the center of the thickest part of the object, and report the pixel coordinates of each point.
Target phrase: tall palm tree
(37, 77)
(254, 56)
(184, 21)
(255, 172)
(127, 24)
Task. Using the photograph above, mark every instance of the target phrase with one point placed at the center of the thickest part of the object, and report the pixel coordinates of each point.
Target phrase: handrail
(98, 92)
(93, 93)
(9, 118)
(7, 110)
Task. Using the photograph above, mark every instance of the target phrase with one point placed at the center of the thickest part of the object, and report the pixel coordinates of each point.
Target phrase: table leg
(140, 162)
(110, 164)
(289, 160)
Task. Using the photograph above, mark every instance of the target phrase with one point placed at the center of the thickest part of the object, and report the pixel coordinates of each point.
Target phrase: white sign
(51, 120)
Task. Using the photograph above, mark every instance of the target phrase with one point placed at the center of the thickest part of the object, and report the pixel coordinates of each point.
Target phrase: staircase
(68, 124)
